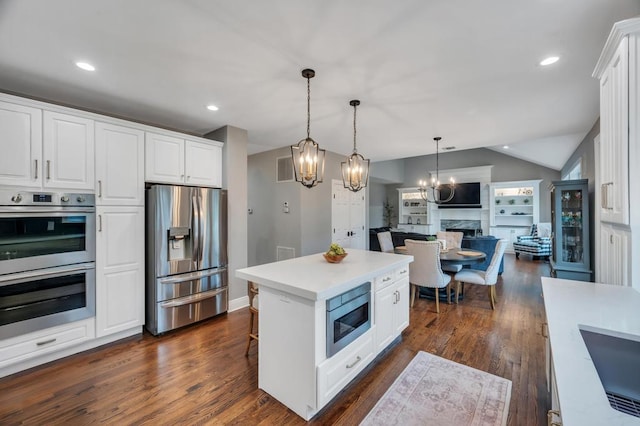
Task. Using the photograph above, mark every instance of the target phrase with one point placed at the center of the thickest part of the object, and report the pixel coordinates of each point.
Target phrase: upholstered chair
(454, 242)
(488, 277)
(386, 242)
(425, 270)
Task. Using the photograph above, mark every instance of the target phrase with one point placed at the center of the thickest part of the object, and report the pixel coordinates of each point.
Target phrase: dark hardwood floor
(199, 375)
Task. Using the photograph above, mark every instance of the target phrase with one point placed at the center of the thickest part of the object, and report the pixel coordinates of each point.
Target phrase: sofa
(398, 237)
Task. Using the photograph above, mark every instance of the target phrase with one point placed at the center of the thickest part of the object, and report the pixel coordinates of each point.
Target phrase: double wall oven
(47, 260)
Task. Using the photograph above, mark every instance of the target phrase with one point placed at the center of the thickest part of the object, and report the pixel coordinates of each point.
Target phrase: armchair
(537, 244)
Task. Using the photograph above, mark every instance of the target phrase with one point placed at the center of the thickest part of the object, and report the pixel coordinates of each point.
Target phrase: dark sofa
(486, 244)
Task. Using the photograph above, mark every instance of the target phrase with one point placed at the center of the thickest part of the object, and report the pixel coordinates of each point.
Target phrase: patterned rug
(435, 391)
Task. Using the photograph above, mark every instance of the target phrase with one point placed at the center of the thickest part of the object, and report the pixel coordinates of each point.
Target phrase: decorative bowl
(335, 258)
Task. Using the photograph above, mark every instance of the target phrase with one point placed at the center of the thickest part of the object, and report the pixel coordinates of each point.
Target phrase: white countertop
(312, 277)
(569, 304)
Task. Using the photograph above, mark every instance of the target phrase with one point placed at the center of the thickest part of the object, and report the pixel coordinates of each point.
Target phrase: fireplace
(467, 232)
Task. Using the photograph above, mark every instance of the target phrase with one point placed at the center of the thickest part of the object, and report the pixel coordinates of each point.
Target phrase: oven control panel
(10, 197)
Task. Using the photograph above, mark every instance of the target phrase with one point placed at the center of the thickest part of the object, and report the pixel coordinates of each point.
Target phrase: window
(574, 172)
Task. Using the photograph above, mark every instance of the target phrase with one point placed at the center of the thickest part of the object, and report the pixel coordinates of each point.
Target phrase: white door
(164, 159)
(203, 164)
(20, 145)
(119, 269)
(348, 213)
(68, 151)
(119, 165)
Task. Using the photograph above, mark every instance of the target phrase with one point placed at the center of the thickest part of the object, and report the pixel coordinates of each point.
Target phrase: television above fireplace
(465, 196)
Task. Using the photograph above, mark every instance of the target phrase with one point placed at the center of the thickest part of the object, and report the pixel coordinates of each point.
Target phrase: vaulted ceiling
(464, 70)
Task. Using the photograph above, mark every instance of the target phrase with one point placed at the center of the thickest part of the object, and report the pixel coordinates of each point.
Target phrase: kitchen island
(293, 365)
(577, 392)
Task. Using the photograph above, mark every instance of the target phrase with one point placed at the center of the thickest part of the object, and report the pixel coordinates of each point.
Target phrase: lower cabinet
(42, 342)
(391, 306)
(509, 234)
(613, 257)
(119, 269)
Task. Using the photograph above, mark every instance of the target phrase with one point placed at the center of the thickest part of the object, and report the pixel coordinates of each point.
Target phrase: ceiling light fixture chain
(433, 193)
(355, 171)
(307, 157)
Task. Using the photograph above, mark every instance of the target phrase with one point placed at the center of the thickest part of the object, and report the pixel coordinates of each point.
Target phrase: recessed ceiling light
(85, 66)
(212, 108)
(550, 60)
(505, 147)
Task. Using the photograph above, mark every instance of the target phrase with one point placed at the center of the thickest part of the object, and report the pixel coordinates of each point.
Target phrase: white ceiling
(464, 70)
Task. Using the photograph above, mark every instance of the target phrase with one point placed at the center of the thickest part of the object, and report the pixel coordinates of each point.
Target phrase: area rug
(435, 391)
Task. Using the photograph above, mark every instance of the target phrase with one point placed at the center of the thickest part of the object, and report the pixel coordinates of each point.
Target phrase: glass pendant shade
(307, 157)
(355, 171)
(308, 162)
(431, 192)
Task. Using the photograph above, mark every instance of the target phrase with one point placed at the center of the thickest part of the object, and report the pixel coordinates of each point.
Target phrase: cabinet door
(385, 301)
(21, 145)
(119, 269)
(401, 307)
(68, 152)
(164, 159)
(203, 164)
(614, 262)
(614, 138)
(119, 165)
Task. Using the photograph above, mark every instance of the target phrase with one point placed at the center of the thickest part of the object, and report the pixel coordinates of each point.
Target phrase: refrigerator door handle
(195, 220)
(192, 276)
(200, 232)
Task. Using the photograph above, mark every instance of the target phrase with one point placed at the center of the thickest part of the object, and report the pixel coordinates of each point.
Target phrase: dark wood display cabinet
(570, 230)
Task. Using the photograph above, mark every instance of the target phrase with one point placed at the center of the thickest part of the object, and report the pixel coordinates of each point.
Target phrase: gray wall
(307, 226)
(234, 179)
(377, 196)
(505, 169)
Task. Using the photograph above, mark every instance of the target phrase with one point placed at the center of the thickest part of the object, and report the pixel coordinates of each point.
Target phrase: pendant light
(308, 158)
(355, 171)
(432, 193)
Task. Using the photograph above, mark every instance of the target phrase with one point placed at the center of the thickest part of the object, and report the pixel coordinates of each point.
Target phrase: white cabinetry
(348, 216)
(21, 145)
(45, 149)
(413, 209)
(174, 160)
(391, 306)
(513, 208)
(119, 269)
(119, 165)
(68, 151)
(618, 177)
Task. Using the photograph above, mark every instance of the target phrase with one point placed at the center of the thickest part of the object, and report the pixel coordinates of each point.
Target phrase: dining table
(452, 256)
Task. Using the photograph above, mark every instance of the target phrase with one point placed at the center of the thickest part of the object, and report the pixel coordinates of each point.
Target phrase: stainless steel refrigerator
(186, 255)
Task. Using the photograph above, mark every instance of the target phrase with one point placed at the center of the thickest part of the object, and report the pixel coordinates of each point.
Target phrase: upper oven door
(35, 238)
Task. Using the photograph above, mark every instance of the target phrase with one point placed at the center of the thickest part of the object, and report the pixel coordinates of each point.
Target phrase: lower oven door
(186, 310)
(36, 300)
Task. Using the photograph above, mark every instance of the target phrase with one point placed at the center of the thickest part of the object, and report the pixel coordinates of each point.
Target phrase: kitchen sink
(616, 357)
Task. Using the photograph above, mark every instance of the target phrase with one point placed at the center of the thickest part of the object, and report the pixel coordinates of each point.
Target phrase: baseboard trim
(239, 303)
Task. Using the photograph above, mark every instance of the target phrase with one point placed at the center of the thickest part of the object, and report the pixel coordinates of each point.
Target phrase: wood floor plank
(199, 375)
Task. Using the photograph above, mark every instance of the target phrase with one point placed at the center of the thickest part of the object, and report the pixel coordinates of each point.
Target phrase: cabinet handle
(358, 359)
(99, 223)
(188, 177)
(48, 169)
(384, 280)
(545, 334)
(46, 342)
(99, 189)
(611, 238)
(36, 176)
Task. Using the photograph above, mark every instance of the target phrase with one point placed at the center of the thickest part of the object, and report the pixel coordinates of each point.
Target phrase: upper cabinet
(44, 149)
(119, 165)
(68, 151)
(21, 145)
(173, 160)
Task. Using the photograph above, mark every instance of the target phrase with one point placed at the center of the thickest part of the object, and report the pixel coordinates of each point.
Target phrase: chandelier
(432, 193)
(308, 158)
(355, 171)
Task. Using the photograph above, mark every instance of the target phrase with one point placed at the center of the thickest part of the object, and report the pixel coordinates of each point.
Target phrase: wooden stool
(252, 291)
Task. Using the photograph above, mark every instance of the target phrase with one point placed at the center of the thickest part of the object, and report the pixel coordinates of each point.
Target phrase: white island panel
(569, 305)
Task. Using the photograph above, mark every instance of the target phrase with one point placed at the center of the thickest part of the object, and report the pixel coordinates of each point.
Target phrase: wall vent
(284, 169)
(284, 253)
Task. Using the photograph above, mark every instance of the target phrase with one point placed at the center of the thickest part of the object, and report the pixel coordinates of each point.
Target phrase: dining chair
(252, 291)
(454, 242)
(425, 270)
(386, 242)
(488, 277)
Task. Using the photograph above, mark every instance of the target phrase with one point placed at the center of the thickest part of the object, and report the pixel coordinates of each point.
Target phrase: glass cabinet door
(571, 215)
